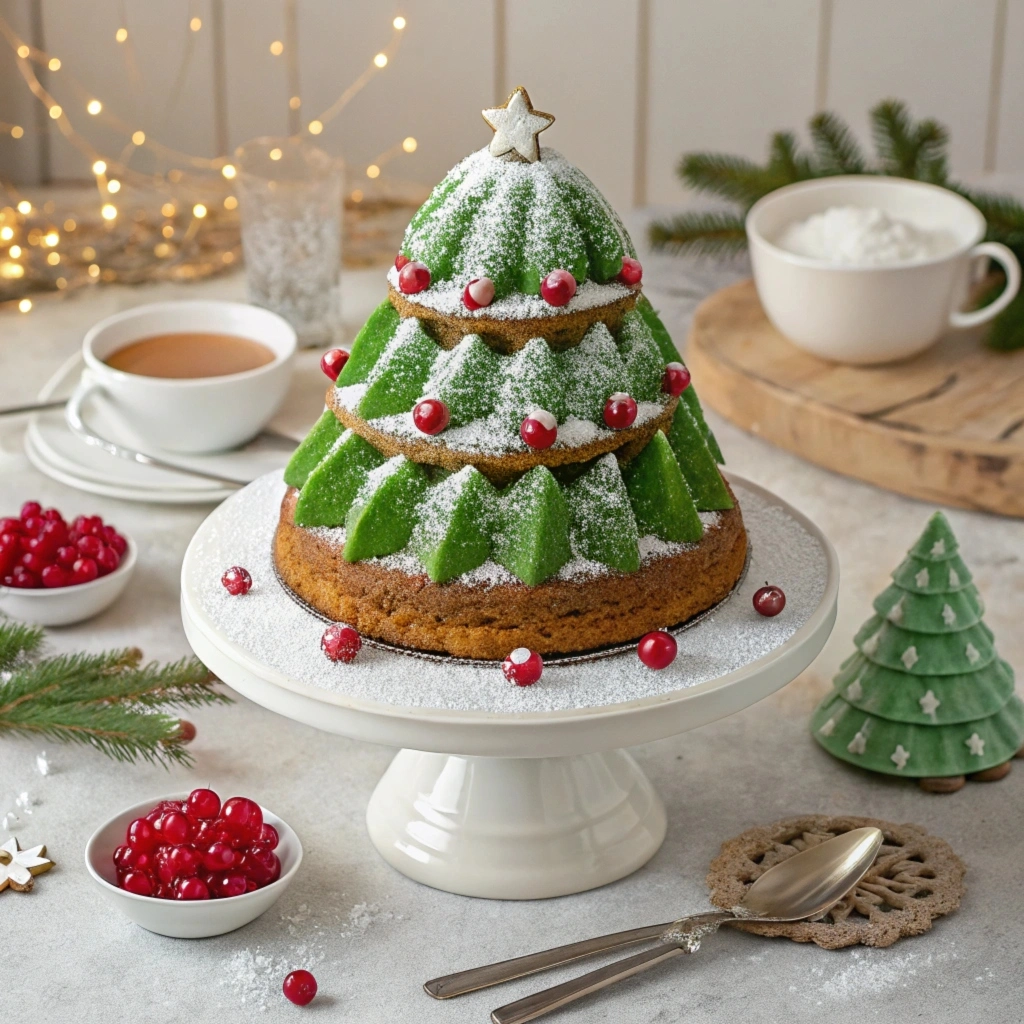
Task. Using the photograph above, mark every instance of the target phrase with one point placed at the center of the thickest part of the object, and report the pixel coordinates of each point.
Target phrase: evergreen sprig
(904, 148)
(110, 701)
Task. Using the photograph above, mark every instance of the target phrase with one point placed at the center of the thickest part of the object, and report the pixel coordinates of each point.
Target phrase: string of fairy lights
(195, 232)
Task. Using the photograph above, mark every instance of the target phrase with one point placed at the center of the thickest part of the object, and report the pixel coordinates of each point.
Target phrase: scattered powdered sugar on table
(267, 624)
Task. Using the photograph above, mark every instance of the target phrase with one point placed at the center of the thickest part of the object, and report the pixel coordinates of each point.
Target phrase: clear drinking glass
(291, 211)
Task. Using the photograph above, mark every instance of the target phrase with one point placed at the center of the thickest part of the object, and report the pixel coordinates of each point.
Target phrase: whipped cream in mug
(862, 236)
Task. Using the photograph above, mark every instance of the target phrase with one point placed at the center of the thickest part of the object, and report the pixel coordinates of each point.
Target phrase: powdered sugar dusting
(271, 628)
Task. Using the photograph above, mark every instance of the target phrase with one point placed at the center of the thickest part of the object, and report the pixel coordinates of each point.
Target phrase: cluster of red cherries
(41, 549)
(557, 288)
(198, 849)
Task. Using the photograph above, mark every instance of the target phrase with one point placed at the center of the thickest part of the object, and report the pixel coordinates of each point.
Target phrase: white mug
(876, 313)
(194, 415)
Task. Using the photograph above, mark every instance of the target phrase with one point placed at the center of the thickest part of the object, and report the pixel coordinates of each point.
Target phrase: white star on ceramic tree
(929, 703)
(900, 757)
(516, 126)
(976, 745)
(17, 866)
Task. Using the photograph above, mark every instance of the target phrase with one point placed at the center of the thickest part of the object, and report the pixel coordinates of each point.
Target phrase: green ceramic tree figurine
(925, 695)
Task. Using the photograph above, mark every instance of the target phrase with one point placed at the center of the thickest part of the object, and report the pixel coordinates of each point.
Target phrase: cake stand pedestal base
(515, 828)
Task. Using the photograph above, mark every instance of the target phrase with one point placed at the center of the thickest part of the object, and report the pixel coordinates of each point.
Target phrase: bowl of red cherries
(191, 865)
(55, 571)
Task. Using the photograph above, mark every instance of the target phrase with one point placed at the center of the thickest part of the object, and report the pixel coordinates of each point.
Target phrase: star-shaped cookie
(17, 866)
(516, 126)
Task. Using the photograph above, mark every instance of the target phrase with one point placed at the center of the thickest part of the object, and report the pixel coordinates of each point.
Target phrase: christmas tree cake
(512, 454)
(925, 695)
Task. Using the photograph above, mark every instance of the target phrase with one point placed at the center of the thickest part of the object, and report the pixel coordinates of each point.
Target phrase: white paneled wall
(633, 83)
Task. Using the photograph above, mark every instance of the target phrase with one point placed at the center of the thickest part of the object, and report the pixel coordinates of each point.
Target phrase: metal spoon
(802, 886)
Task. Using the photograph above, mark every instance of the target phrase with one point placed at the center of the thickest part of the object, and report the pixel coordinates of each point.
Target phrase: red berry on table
(539, 429)
(333, 362)
(657, 650)
(341, 643)
(138, 883)
(243, 816)
(558, 287)
(85, 570)
(30, 510)
(55, 576)
(400, 261)
(631, 271)
(413, 277)
(478, 293)
(619, 411)
(191, 889)
(676, 379)
(202, 804)
(769, 600)
(299, 987)
(237, 581)
(523, 667)
(431, 416)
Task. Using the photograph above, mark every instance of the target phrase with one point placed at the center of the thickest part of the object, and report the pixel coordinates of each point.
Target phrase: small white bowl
(61, 606)
(186, 919)
(872, 313)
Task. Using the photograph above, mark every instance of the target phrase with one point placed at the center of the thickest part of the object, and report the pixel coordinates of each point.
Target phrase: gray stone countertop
(371, 936)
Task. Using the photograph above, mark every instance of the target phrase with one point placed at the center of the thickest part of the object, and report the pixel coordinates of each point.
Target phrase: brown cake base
(478, 621)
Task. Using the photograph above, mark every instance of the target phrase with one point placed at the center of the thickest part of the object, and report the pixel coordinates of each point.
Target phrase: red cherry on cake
(431, 416)
(631, 271)
(237, 581)
(478, 293)
(341, 643)
(400, 261)
(413, 277)
(657, 650)
(558, 287)
(539, 429)
(523, 667)
(299, 987)
(676, 379)
(333, 362)
(769, 600)
(619, 411)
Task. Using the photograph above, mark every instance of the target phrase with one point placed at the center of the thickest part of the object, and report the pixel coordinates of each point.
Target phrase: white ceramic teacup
(194, 415)
(872, 313)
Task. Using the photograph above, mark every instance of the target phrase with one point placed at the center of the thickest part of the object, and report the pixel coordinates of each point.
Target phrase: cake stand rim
(545, 733)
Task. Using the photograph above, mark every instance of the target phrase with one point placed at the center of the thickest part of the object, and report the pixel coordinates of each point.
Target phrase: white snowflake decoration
(871, 644)
(900, 757)
(939, 548)
(921, 579)
(828, 728)
(859, 742)
(516, 126)
(855, 691)
(975, 744)
(972, 652)
(929, 704)
(948, 615)
(909, 657)
(954, 579)
(17, 866)
(896, 612)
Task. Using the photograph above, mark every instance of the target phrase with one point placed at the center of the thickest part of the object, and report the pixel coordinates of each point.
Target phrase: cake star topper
(516, 126)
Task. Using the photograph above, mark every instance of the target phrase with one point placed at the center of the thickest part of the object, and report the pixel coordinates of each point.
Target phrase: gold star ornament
(516, 127)
(18, 867)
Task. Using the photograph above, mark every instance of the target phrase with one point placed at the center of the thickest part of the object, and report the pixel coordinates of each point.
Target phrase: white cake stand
(500, 804)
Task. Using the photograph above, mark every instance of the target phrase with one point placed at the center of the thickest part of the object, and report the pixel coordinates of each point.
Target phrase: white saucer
(54, 450)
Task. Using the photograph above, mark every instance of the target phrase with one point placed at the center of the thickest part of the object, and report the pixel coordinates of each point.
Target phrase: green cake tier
(514, 223)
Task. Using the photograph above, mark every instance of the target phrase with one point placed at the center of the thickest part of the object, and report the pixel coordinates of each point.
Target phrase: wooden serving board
(946, 426)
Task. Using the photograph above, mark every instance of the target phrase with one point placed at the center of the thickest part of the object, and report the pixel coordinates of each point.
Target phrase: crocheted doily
(916, 878)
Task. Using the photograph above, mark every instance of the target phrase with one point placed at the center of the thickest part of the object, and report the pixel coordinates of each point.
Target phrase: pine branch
(18, 641)
(1007, 331)
(895, 138)
(731, 177)
(705, 234)
(786, 161)
(108, 701)
(837, 151)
